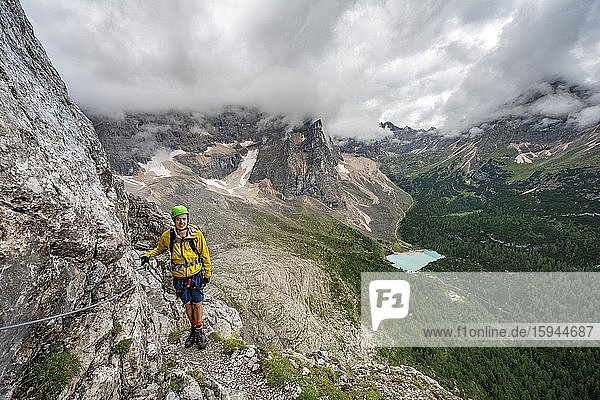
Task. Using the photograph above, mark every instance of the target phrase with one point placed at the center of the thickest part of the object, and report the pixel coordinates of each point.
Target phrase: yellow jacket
(185, 262)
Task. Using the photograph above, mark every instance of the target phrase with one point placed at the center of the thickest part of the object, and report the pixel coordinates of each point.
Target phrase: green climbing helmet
(178, 210)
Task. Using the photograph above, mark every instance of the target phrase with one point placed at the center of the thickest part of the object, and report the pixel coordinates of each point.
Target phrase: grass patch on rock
(230, 344)
(54, 373)
(175, 335)
(117, 328)
(308, 393)
(176, 384)
(279, 371)
(319, 383)
(123, 347)
(198, 377)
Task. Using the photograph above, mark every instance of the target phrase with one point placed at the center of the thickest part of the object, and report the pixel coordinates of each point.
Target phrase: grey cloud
(450, 64)
(538, 44)
(587, 117)
(557, 105)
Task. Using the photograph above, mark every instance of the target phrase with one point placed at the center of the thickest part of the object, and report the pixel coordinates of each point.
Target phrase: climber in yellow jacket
(190, 267)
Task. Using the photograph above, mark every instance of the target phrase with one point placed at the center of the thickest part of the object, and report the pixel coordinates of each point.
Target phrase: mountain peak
(303, 162)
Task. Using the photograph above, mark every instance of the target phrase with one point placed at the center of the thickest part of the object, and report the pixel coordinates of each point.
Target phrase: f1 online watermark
(526, 331)
(481, 309)
(390, 298)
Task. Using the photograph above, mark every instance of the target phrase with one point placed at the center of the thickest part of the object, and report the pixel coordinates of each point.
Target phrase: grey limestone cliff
(63, 245)
(133, 138)
(303, 162)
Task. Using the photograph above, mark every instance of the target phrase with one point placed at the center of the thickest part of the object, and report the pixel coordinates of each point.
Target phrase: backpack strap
(171, 239)
(193, 246)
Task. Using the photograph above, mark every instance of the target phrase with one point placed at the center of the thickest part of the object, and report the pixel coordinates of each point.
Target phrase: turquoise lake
(412, 261)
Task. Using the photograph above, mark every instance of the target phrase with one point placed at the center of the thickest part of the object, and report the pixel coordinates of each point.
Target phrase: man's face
(181, 221)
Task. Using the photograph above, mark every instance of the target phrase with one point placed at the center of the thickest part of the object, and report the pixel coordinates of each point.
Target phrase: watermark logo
(480, 309)
(389, 300)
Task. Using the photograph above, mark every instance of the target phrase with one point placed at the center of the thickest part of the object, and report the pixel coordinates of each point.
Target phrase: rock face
(297, 162)
(63, 243)
(134, 137)
(303, 162)
(145, 222)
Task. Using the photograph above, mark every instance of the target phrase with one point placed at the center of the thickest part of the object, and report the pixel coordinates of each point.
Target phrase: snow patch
(522, 159)
(156, 163)
(247, 166)
(341, 169)
(238, 179)
(219, 184)
(131, 181)
(529, 191)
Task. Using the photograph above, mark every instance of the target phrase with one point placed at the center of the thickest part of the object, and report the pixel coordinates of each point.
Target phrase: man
(190, 267)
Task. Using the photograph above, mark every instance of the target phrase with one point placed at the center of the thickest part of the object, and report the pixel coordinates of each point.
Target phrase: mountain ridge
(540, 127)
(256, 158)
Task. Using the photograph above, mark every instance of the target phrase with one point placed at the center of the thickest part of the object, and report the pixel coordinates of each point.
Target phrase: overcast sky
(448, 64)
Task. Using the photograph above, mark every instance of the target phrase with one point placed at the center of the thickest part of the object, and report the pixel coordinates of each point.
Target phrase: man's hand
(205, 281)
(145, 260)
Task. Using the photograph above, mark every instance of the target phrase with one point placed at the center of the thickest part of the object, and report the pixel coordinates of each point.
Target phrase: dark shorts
(189, 289)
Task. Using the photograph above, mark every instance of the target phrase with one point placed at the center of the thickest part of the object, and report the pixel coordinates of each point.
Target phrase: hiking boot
(191, 339)
(202, 340)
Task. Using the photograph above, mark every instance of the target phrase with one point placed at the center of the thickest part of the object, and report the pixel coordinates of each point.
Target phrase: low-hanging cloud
(587, 117)
(354, 64)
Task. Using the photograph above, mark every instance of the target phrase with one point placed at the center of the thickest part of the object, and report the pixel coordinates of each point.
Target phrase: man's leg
(186, 299)
(189, 311)
(202, 341)
(195, 314)
(197, 307)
